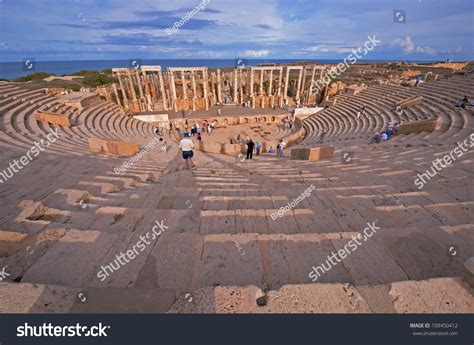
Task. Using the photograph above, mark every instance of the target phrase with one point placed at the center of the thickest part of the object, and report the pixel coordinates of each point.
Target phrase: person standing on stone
(258, 147)
(250, 146)
(280, 147)
(186, 145)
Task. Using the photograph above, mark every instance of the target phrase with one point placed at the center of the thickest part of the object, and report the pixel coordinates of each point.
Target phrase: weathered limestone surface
(53, 118)
(418, 126)
(410, 101)
(440, 295)
(313, 154)
(113, 145)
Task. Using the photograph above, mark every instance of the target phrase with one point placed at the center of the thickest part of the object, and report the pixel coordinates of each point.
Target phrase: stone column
(114, 86)
(270, 91)
(183, 80)
(251, 88)
(213, 89)
(298, 85)
(173, 91)
(262, 100)
(285, 97)
(147, 91)
(219, 94)
(311, 88)
(139, 81)
(235, 86)
(241, 87)
(162, 90)
(193, 83)
(122, 88)
(132, 87)
(204, 80)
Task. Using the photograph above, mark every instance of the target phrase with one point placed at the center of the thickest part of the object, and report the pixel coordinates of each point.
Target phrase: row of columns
(155, 86)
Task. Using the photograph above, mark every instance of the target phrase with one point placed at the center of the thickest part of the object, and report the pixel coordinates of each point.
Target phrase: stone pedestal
(113, 145)
(312, 154)
(53, 118)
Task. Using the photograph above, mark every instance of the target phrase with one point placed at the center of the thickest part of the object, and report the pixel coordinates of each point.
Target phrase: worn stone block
(53, 118)
(313, 154)
(112, 145)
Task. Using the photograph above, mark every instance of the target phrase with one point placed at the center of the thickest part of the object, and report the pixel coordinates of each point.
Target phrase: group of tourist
(257, 145)
(392, 129)
(288, 123)
(465, 103)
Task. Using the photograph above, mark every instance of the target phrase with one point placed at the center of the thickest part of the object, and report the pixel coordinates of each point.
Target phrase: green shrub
(98, 80)
(34, 76)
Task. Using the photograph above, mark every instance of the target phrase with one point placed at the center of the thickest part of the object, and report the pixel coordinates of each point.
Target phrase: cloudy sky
(293, 29)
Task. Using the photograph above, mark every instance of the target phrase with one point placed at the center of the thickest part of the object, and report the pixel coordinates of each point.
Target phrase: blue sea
(12, 70)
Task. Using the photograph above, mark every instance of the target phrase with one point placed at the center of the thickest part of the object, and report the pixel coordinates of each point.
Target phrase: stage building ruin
(148, 88)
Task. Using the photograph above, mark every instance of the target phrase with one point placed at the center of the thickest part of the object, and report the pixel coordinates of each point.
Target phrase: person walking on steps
(186, 145)
(250, 146)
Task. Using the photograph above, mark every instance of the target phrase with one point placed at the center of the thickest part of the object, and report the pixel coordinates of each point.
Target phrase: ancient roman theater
(360, 199)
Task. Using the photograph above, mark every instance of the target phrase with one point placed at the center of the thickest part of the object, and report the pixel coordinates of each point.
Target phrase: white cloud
(327, 49)
(425, 50)
(407, 44)
(255, 53)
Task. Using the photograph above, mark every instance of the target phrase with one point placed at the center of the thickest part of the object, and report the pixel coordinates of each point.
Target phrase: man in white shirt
(186, 145)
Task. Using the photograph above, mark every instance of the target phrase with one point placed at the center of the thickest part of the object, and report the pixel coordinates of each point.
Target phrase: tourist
(186, 145)
(164, 147)
(258, 147)
(218, 111)
(238, 138)
(361, 112)
(390, 125)
(250, 146)
(198, 128)
(170, 128)
(271, 150)
(418, 80)
(396, 128)
(383, 136)
(465, 102)
(199, 136)
(280, 147)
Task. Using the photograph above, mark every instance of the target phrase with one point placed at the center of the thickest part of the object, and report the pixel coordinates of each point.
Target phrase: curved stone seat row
(339, 121)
